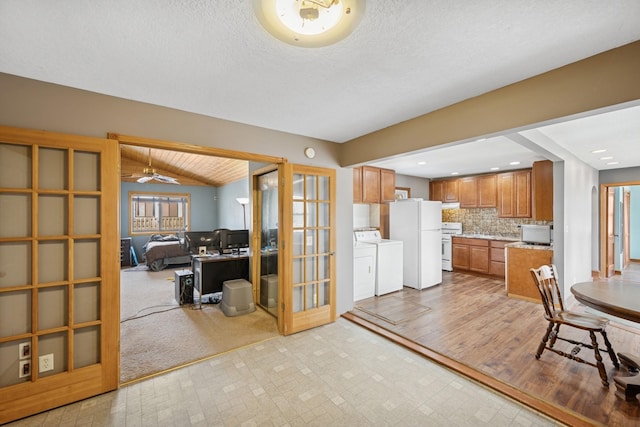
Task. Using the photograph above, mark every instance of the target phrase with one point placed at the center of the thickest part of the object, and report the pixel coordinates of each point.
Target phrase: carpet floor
(157, 334)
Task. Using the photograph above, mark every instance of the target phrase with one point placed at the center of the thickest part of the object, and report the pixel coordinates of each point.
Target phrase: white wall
(419, 186)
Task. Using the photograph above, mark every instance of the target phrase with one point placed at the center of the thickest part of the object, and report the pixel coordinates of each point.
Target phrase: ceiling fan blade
(165, 179)
(144, 179)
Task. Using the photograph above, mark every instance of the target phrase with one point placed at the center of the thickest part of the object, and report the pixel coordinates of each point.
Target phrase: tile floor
(336, 375)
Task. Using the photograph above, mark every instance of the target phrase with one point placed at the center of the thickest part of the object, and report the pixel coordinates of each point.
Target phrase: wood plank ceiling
(187, 168)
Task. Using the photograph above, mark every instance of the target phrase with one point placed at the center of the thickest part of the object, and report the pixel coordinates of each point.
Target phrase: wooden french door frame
(604, 223)
(308, 273)
(71, 252)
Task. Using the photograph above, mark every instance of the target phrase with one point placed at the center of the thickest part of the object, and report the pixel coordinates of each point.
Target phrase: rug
(392, 308)
(139, 267)
(157, 334)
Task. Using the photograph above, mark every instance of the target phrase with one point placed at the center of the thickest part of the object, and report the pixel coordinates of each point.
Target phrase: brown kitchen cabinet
(542, 190)
(478, 191)
(373, 185)
(496, 258)
(387, 185)
(470, 254)
(451, 191)
(436, 191)
(514, 194)
(520, 260)
(357, 185)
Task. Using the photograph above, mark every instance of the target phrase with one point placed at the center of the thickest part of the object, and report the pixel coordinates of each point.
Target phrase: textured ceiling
(406, 57)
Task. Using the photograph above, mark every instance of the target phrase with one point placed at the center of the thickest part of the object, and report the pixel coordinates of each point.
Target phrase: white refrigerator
(418, 224)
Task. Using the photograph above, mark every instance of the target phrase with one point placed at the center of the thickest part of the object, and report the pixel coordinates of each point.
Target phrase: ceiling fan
(150, 173)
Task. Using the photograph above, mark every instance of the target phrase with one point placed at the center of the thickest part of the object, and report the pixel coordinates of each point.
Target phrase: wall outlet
(46, 362)
(25, 369)
(24, 349)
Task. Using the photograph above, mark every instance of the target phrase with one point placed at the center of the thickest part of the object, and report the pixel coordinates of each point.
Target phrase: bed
(162, 250)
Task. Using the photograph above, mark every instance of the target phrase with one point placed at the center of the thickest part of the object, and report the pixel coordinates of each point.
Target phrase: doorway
(616, 217)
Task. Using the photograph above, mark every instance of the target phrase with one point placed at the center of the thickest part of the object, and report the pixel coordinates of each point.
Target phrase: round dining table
(619, 298)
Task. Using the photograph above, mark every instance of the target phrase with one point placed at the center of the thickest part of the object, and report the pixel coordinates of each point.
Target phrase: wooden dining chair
(546, 280)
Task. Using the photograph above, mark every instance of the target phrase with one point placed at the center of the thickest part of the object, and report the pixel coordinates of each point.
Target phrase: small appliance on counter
(536, 234)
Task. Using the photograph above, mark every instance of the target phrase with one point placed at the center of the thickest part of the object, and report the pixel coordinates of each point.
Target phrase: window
(158, 213)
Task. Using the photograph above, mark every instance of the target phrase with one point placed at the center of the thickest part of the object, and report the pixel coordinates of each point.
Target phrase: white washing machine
(364, 270)
(389, 261)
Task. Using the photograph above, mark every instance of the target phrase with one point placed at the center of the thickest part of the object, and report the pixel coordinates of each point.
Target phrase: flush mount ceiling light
(309, 23)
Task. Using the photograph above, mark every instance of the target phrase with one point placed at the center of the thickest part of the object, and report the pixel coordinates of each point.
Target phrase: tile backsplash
(486, 221)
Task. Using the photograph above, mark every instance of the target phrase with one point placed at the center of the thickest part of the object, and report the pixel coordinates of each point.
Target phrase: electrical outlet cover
(25, 369)
(45, 363)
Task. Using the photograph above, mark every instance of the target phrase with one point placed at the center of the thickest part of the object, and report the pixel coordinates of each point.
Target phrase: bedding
(163, 250)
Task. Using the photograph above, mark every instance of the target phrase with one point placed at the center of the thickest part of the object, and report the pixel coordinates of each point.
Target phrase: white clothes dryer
(389, 261)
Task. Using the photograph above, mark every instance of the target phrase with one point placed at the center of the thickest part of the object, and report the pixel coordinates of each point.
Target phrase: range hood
(451, 205)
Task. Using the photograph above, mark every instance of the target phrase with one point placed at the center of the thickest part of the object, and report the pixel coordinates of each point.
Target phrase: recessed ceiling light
(481, 139)
(602, 150)
(495, 168)
(613, 163)
(514, 163)
(606, 158)
(422, 163)
(455, 173)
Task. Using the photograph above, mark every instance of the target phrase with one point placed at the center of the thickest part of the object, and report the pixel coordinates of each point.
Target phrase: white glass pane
(298, 186)
(15, 215)
(323, 241)
(310, 272)
(311, 296)
(298, 299)
(86, 171)
(52, 307)
(310, 242)
(86, 259)
(55, 344)
(86, 346)
(323, 267)
(15, 313)
(298, 242)
(311, 187)
(323, 294)
(298, 214)
(323, 188)
(86, 216)
(312, 216)
(52, 261)
(323, 215)
(15, 259)
(52, 215)
(298, 265)
(53, 169)
(86, 302)
(15, 166)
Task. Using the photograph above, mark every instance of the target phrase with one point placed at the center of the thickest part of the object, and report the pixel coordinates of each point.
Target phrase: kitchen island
(520, 258)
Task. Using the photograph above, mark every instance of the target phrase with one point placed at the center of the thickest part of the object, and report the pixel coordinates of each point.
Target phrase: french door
(308, 274)
(59, 275)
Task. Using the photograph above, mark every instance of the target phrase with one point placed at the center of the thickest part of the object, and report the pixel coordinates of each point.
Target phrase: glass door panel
(311, 290)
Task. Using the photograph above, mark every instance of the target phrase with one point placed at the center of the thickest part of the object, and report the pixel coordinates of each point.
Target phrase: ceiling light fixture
(606, 158)
(598, 151)
(309, 23)
(514, 163)
(422, 163)
(495, 168)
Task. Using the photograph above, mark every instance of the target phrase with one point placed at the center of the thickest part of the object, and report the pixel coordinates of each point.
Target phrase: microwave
(536, 234)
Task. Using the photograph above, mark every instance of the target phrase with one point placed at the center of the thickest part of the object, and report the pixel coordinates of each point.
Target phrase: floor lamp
(244, 201)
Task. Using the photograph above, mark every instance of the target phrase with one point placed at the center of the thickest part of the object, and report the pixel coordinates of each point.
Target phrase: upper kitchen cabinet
(357, 185)
(478, 191)
(444, 190)
(514, 194)
(387, 185)
(542, 190)
(373, 185)
(436, 190)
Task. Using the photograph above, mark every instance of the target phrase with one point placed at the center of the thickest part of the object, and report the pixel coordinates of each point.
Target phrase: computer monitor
(233, 240)
(193, 240)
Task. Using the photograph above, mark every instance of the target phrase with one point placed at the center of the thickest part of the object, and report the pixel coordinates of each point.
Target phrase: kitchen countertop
(522, 245)
(509, 238)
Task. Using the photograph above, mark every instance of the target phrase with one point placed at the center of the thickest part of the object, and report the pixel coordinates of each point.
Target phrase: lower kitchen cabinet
(520, 260)
(496, 258)
(478, 255)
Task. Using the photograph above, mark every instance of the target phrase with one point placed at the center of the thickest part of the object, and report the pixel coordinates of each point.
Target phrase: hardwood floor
(493, 338)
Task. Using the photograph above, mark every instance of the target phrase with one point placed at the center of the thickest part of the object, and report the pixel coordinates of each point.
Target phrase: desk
(211, 271)
(621, 299)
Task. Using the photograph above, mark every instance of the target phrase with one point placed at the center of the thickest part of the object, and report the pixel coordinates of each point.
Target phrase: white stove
(449, 229)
